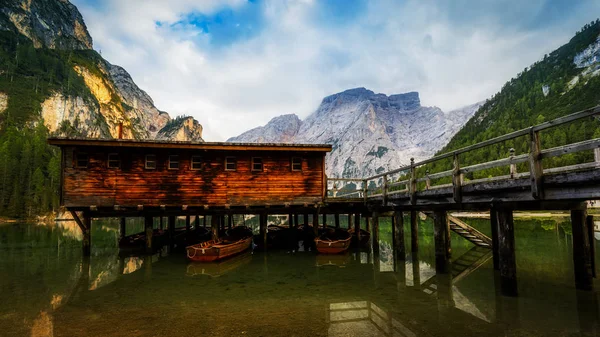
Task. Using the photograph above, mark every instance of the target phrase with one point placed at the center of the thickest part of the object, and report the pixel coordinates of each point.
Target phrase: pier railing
(414, 178)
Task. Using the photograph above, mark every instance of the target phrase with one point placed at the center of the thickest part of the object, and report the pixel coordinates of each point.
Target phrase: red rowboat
(333, 242)
(238, 240)
(215, 250)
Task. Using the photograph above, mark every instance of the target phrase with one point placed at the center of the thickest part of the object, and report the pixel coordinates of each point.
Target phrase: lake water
(48, 289)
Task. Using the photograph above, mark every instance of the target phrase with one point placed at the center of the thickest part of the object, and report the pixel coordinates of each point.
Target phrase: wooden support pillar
(494, 225)
(204, 221)
(148, 225)
(214, 225)
(230, 221)
(367, 223)
(337, 220)
(398, 235)
(87, 234)
(506, 252)
(316, 223)
(589, 223)
(122, 227)
(414, 232)
(188, 224)
(536, 170)
(171, 224)
(263, 230)
(197, 224)
(440, 233)
(324, 220)
(357, 227)
(296, 220)
(349, 221)
(375, 232)
(416, 270)
(290, 221)
(582, 256)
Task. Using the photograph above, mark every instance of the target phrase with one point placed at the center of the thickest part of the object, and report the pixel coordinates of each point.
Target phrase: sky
(235, 64)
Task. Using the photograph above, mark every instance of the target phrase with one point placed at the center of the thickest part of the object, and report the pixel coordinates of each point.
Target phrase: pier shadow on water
(49, 289)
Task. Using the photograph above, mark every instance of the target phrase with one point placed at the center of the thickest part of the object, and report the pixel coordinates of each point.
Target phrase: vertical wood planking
(494, 225)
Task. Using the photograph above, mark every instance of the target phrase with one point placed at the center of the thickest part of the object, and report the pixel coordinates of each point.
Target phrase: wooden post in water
(494, 225)
(357, 227)
(263, 230)
(398, 229)
(440, 233)
(296, 220)
(204, 221)
(290, 221)
(161, 224)
(87, 234)
(148, 225)
(214, 225)
(230, 221)
(306, 221)
(337, 220)
(197, 224)
(122, 227)
(316, 223)
(188, 226)
(506, 252)
(414, 232)
(171, 223)
(349, 220)
(582, 256)
(325, 220)
(589, 223)
(367, 223)
(375, 233)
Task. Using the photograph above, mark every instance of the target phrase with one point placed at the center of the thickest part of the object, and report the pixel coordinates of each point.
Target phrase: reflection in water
(216, 269)
(48, 289)
(363, 318)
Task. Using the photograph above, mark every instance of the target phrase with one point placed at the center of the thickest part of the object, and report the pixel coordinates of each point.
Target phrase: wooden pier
(123, 178)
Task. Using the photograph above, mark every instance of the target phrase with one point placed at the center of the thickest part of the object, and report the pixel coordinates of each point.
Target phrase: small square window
(81, 160)
(174, 162)
(296, 164)
(230, 164)
(257, 164)
(151, 161)
(196, 163)
(113, 160)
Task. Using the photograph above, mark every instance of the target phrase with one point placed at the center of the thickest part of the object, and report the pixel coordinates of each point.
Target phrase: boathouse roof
(167, 144)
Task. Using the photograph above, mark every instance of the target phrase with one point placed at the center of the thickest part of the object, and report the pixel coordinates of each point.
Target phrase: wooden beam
(296, 220)
(357, 227)
(440, 233)
(375, 233)
(316, 223)
(78, 220)
(582, 252)
(337, 219)
(263, 229)
(589, 223)
(414, 232)
(123, 227)
(398, 230)
(506, 252)
(214, 225)
(171, 224)
(494, 225)
(148, 225)
(87, 234)
(536, 170)
(457, 181)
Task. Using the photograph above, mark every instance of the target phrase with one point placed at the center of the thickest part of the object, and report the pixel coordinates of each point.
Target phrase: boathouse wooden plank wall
(133, 184)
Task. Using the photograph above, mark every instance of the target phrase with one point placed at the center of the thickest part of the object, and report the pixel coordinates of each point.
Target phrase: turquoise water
(48, 289)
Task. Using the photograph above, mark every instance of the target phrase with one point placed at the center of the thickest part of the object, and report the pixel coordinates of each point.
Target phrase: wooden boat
(333, 242)
(364, 237)
(236, 242)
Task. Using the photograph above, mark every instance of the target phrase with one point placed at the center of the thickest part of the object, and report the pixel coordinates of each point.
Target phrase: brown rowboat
(215, 250)
(333, 242)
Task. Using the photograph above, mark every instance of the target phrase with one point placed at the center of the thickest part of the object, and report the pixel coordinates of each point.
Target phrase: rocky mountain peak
(49, 24)
(281, 129)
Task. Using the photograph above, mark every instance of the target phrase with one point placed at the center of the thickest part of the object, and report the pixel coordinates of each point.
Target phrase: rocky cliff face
(370, 133)
(281, 129)
(181, 129)
(112, 97)
(55, 24)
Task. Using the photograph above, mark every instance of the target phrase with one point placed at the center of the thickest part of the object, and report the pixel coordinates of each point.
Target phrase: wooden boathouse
(124, 178)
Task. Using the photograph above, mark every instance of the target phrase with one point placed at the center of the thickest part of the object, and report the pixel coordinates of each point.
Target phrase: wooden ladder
(474, 236)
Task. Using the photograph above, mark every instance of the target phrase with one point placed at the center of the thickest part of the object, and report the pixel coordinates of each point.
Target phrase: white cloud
(293, 62)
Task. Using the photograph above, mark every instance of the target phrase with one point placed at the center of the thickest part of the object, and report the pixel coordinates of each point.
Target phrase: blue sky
(235, 64)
